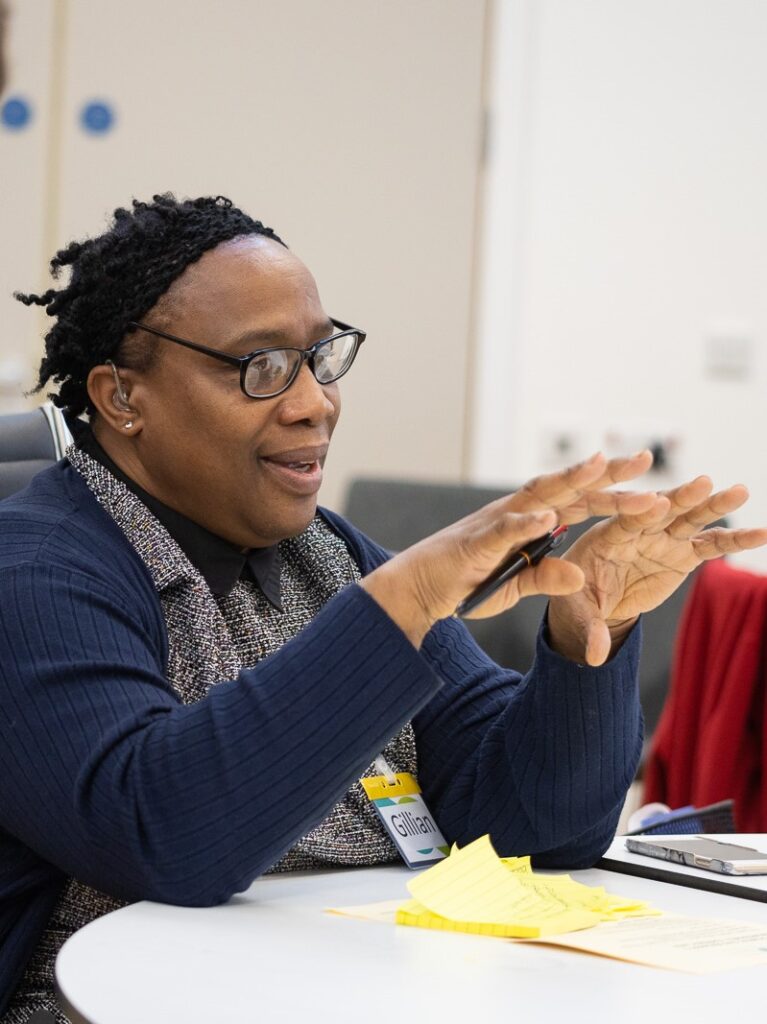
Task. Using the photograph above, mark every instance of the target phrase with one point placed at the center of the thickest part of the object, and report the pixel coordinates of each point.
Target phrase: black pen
(511, 567)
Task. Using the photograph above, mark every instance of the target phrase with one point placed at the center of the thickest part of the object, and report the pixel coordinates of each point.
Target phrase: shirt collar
(219, 562)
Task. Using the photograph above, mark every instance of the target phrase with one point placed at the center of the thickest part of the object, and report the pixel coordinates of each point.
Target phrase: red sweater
(711, 742)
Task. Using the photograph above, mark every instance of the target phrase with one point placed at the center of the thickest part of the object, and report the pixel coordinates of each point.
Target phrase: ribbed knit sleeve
(543, 762)
(145, 798)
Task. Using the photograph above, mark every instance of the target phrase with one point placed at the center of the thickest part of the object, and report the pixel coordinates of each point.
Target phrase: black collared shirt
(220, 563)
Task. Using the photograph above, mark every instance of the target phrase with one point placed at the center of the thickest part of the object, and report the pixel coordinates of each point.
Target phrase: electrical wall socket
(562, 445)
(729, 355)
(663, 441)
(559, 447)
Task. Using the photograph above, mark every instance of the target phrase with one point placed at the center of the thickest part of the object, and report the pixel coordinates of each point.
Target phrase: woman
(199, 665)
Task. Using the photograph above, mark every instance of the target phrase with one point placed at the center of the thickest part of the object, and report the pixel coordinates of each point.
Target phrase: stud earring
(128, 425)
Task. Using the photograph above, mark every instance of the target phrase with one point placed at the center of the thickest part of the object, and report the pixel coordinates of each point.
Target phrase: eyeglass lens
(271, 371)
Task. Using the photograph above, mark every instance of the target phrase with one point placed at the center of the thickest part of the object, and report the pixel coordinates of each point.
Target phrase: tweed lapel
(201, 650)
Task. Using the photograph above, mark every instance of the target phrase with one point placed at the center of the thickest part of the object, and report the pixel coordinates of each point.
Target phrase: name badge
(407, 819)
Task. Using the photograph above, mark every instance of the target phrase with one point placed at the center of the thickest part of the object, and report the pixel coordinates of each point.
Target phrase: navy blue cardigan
(104, 775)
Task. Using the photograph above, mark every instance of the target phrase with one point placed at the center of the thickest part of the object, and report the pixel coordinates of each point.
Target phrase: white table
(272, 955)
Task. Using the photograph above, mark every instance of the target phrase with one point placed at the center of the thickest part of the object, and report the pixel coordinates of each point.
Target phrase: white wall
(351, 126)
(625, 232)
(626, 206)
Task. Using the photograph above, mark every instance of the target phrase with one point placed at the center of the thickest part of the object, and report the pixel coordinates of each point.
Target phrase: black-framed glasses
(268, 372)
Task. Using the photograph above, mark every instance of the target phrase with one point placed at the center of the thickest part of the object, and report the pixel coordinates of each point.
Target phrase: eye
(269, 371)
(334, 357)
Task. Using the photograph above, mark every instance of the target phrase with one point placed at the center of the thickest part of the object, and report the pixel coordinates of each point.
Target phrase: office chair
(397, 513)
(30, 442)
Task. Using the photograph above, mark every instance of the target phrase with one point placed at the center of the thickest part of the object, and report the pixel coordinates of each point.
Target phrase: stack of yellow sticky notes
(474, 890)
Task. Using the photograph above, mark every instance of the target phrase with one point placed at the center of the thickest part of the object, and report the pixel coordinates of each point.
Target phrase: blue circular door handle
(97, 117)
(16, 113)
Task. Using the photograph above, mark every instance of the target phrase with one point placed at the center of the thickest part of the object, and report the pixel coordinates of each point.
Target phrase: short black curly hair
(118, 277)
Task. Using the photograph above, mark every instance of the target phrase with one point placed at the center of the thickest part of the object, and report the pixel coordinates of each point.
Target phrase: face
(247, 469)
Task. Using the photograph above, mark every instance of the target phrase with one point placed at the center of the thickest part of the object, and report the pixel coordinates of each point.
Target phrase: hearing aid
(119, 398)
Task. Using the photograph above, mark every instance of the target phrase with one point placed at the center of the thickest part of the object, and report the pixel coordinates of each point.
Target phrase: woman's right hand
(426, 582)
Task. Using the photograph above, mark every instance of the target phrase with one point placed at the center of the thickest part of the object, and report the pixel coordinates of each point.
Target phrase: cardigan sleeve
(105, 775)
(542, 762)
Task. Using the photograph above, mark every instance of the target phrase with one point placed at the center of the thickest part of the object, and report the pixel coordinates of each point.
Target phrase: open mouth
(299, 477)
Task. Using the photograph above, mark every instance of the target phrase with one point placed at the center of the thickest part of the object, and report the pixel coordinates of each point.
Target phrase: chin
(289, 524)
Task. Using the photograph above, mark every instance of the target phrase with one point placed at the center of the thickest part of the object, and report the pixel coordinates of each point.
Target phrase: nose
(307, 400)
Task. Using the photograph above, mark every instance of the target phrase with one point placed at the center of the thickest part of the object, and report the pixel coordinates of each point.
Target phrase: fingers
(707, 509)
(626, 527)
(719, 541)
(689, 494)
(509, 531)
(566, 487)
(551, 577)
(619, 470)
(598, 642)
(578, 634)
(682, 512)
(606, 503)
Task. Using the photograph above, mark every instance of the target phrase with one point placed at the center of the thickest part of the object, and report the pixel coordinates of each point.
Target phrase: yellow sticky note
(416, 915)
(472, 886)
(517, 865)
(475, 891)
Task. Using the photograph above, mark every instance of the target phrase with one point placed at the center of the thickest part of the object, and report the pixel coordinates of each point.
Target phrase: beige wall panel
(23, 207)
(353, 128)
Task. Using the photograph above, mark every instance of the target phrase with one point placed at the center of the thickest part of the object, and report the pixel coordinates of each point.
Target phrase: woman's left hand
(632, 563)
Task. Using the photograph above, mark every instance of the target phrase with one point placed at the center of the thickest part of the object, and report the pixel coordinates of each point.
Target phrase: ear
(109, 389)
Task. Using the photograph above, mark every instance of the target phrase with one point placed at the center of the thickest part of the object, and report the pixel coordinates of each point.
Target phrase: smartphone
(702, 852)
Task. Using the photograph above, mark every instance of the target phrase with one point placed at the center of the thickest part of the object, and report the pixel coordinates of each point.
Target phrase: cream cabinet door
(27, 221)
